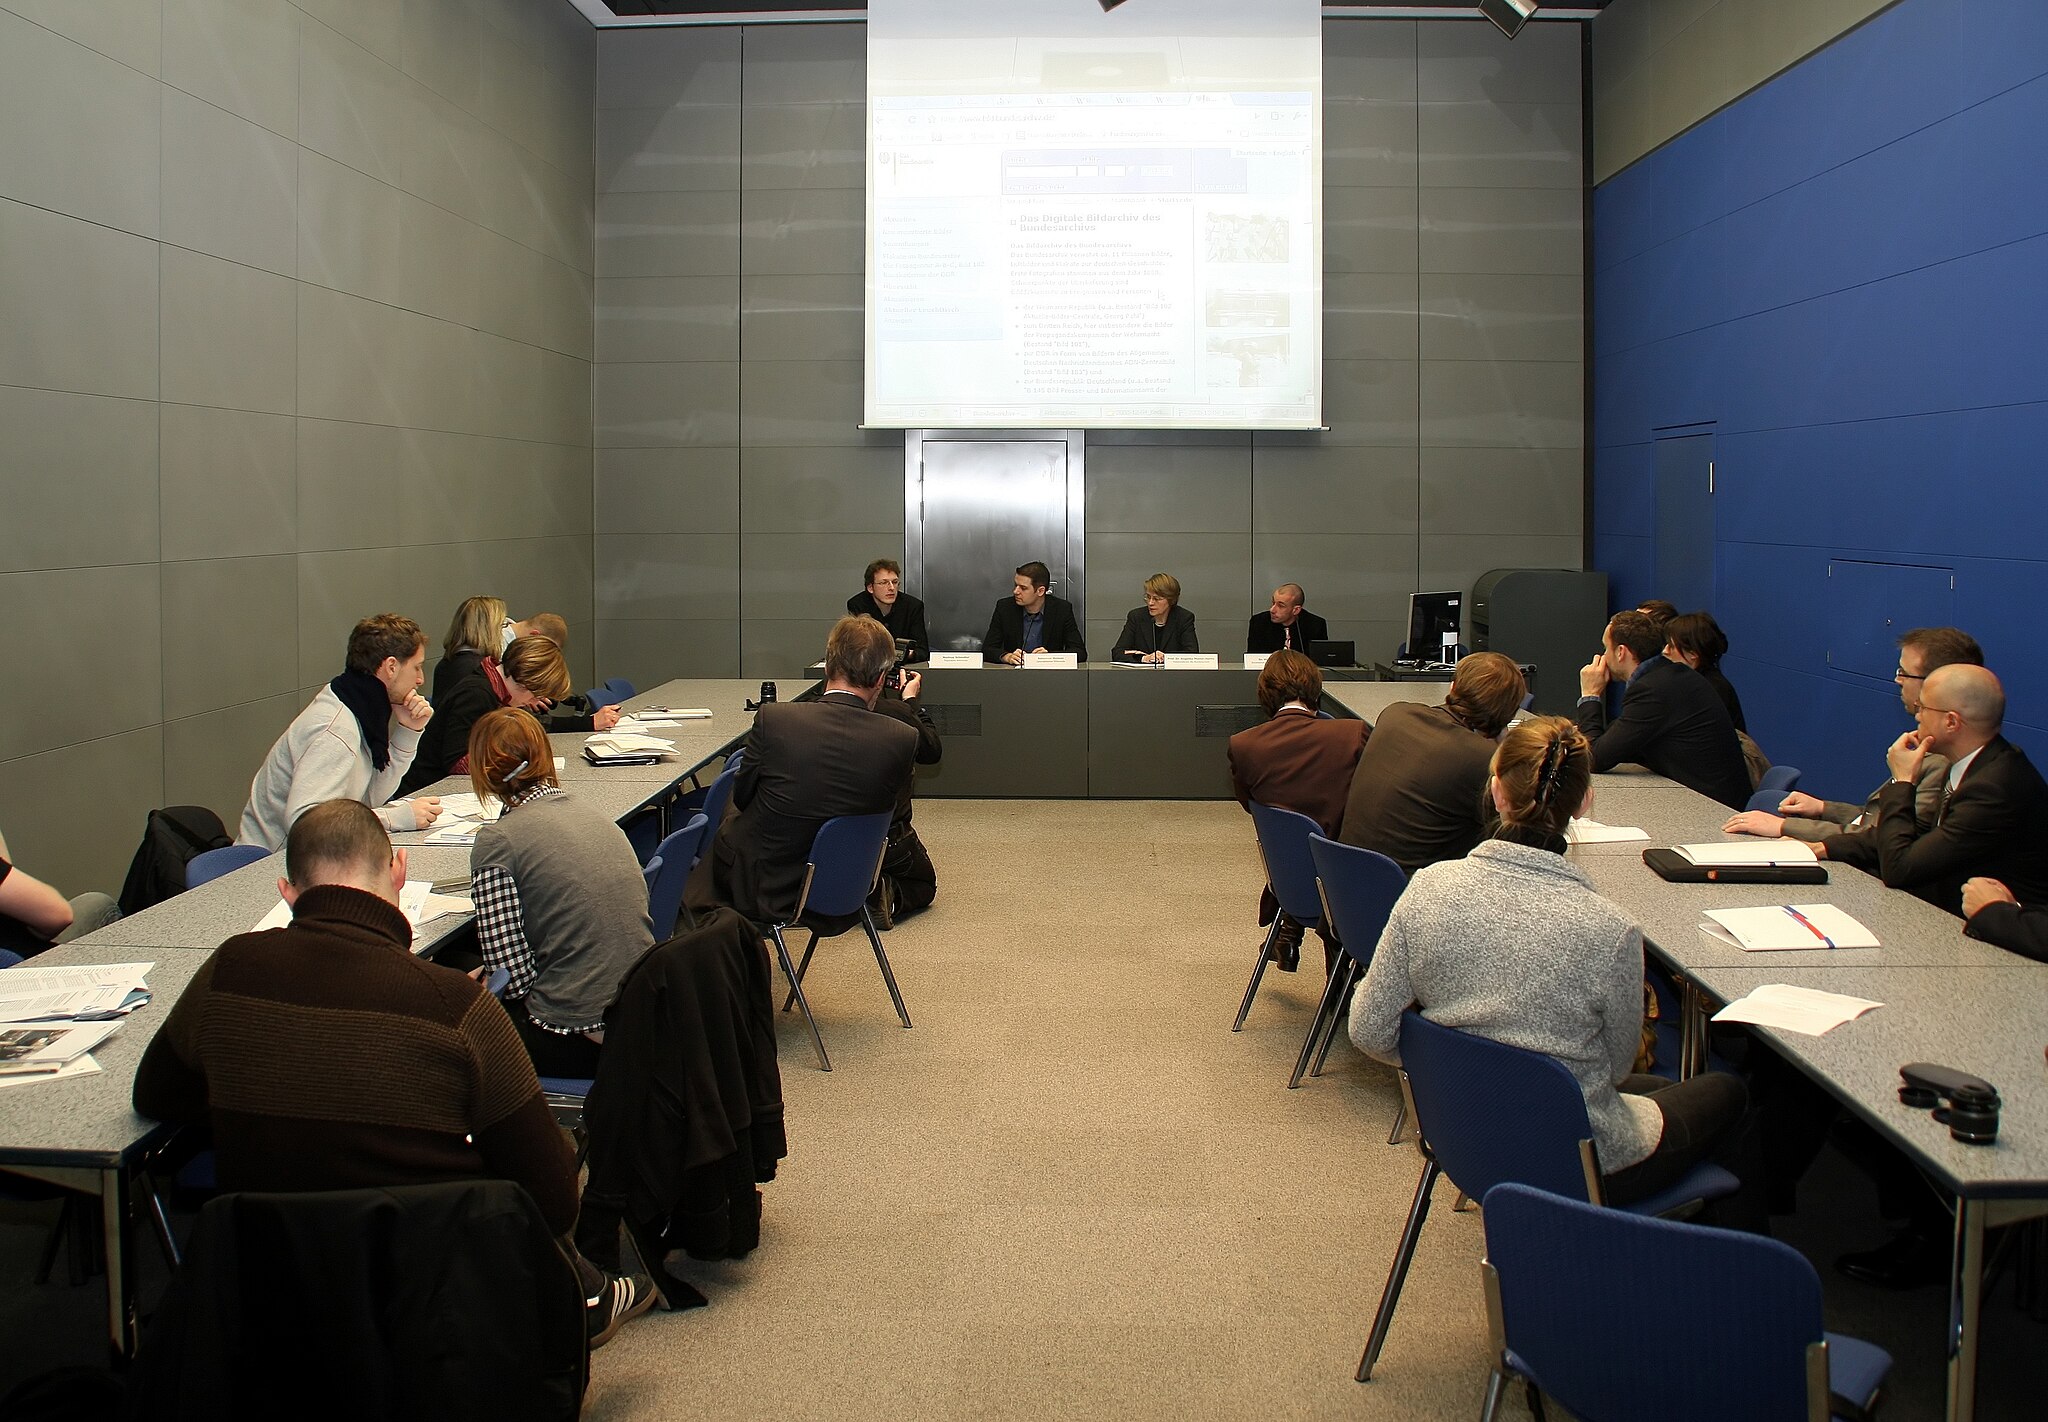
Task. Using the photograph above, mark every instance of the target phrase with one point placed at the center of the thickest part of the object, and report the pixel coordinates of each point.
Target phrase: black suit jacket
(930, 749)
(2023, 928)
(1995, 824)
(1418, 795)
(1006, 629)
(1673, 721)
(1141, 634)
(1266, 635)
(904, 620)
(807, 762)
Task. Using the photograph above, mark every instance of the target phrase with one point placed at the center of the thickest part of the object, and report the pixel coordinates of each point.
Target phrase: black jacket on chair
(686, 1112)
(439, 1303)
(1672, 721)
(1006, 629)
(1141, 634)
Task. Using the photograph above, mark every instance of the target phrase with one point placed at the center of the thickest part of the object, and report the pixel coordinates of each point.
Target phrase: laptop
(1333, 654)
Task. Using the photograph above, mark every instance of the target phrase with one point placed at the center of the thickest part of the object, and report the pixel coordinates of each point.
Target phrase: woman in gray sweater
(1513, 943)
(561, 904)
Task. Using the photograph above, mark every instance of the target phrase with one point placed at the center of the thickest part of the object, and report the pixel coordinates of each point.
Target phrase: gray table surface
(1990, 1019)
(87, 1121)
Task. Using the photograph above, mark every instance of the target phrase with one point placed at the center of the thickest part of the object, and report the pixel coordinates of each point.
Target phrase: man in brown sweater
(327, 1057)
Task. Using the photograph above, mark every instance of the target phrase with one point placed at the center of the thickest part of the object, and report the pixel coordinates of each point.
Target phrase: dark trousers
(554, 1054)
(908, 868)
(1705, 1118)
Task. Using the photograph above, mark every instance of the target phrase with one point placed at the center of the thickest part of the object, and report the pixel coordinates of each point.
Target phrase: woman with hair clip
(1512, 943)
(561, 904)
(529, 675)
(1697, 640)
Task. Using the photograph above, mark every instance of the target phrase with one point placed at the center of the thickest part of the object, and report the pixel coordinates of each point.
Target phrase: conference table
(1947, 998)
(84, 1135)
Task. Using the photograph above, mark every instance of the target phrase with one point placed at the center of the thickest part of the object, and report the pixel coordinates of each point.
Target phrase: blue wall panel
(1842, 275)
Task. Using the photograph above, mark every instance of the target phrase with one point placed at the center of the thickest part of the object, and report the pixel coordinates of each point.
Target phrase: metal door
(1684, 522)
(980, 502)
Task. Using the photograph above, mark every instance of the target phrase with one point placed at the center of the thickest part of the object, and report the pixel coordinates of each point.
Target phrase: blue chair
(1569, 1286)
(845, 862)
(719, 796)
(1283, 844)
(1488, 1114)
(496, 981)
(610, 694)
(8, 959)
(669, 870)
(1778, 782)
(205, 868)
(1358, 888)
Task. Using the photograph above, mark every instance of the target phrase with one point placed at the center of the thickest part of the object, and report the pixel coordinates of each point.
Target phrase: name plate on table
(1069, 660)
(956, 661)
(1192, 661)
(1256, 661)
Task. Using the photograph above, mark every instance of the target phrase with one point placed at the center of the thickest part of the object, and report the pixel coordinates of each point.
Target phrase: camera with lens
(1968, 1105)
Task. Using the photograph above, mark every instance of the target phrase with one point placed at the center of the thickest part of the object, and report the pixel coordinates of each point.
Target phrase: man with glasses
(1922, 651)
(1992, 819)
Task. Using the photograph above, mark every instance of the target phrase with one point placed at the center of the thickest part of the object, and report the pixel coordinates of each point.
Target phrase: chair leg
(1258, 971)
(888, 974)
(1404, 1255)
(1496, 1389)
(801, 968)
(796, 991)
(161, 1220)
(1395, 1136)
(1349, 968)
(1333, 992)
(59, 1233)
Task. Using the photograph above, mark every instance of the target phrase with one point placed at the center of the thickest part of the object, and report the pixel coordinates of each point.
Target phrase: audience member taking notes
(1804, 816)
(354, 741)
(267, 1045)
(1993, 817)
(1162, 625)
(1287, 625)
(1671, 721)
(1032, 620)
(561, 904)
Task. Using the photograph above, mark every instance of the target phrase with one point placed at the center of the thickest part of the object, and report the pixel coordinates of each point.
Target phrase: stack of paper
(1748, 853)
(625, 748)
(33, 1052)
(1808, 1011)
(462, 816)
(662, 716)
(1593, 832)
(417, 901)
(96, 992)
(1782, 928)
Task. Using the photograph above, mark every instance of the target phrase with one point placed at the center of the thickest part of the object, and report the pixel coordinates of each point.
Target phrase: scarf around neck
(367, 700)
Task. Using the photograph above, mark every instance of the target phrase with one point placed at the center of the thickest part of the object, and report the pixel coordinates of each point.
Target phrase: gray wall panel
(1335, 489)
(668, 319)
(373, 224)
(668, 150)
(807, 146)
(1502, 230)
(77, 479)
(798, 232)
(671, 576)
(807, 64)
(1473, 316)
(668, 234)
(841, 489)
(1155, 489)
(802, 318)
(667, 491)
(648, 653)
(1493, 491)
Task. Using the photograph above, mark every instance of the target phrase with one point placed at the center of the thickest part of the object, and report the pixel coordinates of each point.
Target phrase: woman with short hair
(530, 675)
(1162, 625)
(1513, 943)
(561, 904)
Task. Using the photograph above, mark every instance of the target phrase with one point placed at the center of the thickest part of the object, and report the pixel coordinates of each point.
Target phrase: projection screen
(1079, 219)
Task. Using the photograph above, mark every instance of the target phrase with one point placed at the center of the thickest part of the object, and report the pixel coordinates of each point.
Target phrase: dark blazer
(1141, 634)
(1299, 762)
(466, 663)
(1995, 824)
(1725, 689)
(904, 620)
(1672, 721)
(1006, 629)
(929, 747)
(1266, 635)
(446, 739)
(807, 762)
(1419, 793)
(2023, 928)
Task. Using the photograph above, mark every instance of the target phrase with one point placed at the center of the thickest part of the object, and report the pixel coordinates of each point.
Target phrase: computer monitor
(1433, 630)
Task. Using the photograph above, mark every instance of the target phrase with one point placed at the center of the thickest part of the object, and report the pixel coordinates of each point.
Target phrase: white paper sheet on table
(1593, 832)
(1734, 852)
(22, 1044)
(417, 901)
(39, 994)
(1808, 1011)
(81, 1066)
(1782, 928)
(615, 743)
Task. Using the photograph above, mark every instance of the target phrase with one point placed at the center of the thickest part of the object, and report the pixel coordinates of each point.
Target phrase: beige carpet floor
(1070, 1191)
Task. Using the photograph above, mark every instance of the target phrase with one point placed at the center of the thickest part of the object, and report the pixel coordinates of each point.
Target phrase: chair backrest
(497, 981)
(8, 958)
(669, 870)
(1492, 1113)
(205, 868)
(719, 796)
(1283, 844)
(1576, 1284)
(1359, 887)
(845, 859)
(1775, 784)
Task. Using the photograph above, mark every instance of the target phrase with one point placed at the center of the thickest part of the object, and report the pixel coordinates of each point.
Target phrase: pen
(1809, 925)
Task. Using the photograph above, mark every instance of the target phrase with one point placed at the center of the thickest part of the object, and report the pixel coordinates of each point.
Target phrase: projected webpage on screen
(1098, 224)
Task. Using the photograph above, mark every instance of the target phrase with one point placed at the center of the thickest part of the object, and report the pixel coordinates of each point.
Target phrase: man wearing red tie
(1287, 625)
